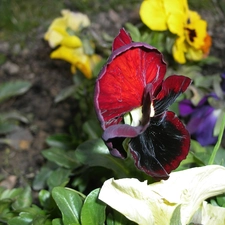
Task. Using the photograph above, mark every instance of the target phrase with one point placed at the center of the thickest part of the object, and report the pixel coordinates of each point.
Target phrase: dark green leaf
(95, 153)
(92, 128)
(59, 177)
(7, 193)
(61, 157)
(63, 141)
(93, 210)
(69, 203)
(41, 178)
(13, 88)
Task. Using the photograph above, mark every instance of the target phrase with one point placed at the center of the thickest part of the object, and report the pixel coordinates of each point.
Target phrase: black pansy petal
(161, 147)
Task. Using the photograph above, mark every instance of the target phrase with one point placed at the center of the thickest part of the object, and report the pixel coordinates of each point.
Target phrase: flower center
(134, 117)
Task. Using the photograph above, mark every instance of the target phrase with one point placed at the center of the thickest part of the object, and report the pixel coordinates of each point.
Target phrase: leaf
(24, 199)
(61, 157)
(41, 178)
(65, 93)
(95, 153)
(57, 221)
(7, 127)
(92, 128)
(63, 141)
(13, 88)
(59, 177)
(93, 210)
(13, 115)
(69, 203)
(22, 219)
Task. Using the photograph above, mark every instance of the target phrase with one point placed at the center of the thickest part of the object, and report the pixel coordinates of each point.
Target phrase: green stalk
(216, 147)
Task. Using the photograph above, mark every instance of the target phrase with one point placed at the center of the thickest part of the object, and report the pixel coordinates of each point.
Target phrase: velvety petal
(172, 87)
(201, 125)
(161, 148)
(153, 14)
(121, 83)
(115, 135)
(123, 38)
(186, 107)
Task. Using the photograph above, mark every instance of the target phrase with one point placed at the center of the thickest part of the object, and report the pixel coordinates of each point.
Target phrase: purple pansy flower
(132, 100)
(202, 119)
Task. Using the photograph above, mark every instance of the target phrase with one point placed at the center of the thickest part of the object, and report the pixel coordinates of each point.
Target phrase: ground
(21, 162)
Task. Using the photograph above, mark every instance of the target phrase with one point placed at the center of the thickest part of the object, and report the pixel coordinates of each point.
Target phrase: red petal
(171, 88)
(122, 81)
(123, 38)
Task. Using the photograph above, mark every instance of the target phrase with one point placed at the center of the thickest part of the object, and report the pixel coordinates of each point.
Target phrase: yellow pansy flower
(183, 193)
(174, 15)
(77, 58)
(57, 31)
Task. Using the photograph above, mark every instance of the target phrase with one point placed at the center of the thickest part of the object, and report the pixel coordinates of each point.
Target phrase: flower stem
(216, 147)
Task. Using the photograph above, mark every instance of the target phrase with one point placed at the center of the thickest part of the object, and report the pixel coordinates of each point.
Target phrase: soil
(21, 162)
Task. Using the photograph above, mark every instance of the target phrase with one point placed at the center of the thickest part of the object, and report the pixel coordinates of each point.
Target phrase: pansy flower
(192, 42)
(64, 33)
(132, 100)
(179, 200)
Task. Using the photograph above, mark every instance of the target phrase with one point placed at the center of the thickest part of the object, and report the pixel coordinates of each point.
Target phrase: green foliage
(13, 88)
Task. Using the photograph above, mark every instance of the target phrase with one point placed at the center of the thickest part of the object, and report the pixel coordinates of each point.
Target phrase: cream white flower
(155, 204)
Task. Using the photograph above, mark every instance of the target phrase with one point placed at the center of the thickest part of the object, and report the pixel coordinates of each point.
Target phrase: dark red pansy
(131, 85)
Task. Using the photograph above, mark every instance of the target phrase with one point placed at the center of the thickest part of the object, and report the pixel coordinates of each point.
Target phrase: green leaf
(61, 157)
(59, 177)
(24, 199)
(95, 153)
(69, 203)
(13, 88)
(65, 93)
(23, 219)
(93, 210)
(13, 115)
(92, 128)
(63, 141)
(41, 178)
(7, 193)
(57, 221)
(7, 127)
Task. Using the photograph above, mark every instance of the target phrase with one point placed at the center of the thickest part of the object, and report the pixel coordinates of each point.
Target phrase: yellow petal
(153, 14)
(179, 49)
(54, 38)
(64, 53)
(76, 21)
(177, 14)
(56, 32)
(196, 31)
(194, 54)
(71, 41)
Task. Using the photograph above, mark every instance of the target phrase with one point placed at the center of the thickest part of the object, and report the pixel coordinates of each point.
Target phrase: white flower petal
(155, 203)
(134, 200)
(191, 187)
(209, 214)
